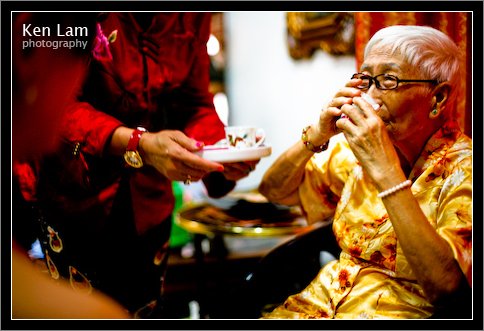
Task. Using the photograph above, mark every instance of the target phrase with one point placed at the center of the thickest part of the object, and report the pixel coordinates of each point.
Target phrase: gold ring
(188, 181)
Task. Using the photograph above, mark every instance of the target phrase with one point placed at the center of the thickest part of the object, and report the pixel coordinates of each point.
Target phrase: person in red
(105, 195)
(43, 79)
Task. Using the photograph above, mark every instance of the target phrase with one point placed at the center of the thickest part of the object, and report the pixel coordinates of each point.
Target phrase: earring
(434, 111)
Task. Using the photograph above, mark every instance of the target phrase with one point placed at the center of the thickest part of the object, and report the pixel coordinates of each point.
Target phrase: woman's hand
(332, 111)
(219, 184)
(281, 181)
(172, 154)
(238, 170)
(369, 140)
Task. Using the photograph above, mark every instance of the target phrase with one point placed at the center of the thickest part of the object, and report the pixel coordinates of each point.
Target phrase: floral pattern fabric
(372, 278)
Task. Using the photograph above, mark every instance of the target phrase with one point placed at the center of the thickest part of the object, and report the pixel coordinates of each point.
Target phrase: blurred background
(266, 87)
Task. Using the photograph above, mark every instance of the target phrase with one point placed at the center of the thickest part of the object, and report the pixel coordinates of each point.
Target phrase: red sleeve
(204, 125)
(88, 126)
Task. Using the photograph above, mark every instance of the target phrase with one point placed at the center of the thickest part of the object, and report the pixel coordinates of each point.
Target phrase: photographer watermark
(38, 36)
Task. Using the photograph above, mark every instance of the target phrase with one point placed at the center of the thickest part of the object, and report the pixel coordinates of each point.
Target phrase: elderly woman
(395, 179)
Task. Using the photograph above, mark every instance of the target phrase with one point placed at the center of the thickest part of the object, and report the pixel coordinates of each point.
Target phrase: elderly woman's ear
(439, 100)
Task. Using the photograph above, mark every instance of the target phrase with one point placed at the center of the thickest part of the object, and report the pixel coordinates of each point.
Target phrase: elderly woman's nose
(372, 90)
(375, 93)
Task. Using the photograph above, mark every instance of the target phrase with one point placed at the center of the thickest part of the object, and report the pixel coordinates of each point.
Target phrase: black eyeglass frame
(372, 80)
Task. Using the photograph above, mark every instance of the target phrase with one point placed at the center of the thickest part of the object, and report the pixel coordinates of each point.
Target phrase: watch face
(133, 159)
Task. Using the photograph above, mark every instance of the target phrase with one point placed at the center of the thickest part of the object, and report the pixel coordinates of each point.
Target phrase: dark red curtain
(457, 25)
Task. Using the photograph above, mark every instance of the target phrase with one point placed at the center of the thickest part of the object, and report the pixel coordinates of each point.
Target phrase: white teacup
(244, 136)
(370, 100)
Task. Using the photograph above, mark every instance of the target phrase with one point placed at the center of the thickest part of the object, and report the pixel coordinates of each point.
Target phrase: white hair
(426, 48)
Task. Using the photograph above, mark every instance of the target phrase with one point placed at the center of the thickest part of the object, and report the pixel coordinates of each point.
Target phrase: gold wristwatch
(131, 156)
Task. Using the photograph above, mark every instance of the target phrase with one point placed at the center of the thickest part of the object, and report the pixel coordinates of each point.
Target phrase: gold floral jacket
(372, 278)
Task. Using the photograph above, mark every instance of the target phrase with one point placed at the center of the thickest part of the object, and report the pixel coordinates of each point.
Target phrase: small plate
(225, 154)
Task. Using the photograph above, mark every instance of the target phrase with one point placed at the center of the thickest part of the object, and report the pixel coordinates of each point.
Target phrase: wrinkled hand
(332, 112)
(238, 170)
(172, 154)
(369, 140)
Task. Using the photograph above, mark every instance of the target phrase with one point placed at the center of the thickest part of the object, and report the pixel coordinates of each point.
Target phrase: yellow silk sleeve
(324, 179)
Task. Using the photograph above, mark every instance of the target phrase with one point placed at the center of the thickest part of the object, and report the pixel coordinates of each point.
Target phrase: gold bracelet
(309, 145)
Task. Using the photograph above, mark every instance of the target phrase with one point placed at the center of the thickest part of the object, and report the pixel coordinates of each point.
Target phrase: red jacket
(157, 79)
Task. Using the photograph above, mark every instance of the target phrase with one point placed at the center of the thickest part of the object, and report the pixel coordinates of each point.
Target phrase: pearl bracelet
(395, 188)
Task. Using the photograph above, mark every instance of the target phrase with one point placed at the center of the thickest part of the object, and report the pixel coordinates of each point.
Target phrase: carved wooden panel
(309, 31)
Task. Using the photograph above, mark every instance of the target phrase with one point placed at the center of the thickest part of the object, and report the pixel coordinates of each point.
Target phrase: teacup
(368, 99)
(244, 136)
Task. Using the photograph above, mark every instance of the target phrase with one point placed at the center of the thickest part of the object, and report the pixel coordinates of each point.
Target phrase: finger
(349, 91)
(344, 96)
(253, 163)
(350, 113)
(346, 126)
(334, 112)
(240, 167)
(340, 101)
(184, 170)
(246, 166)
(365, 107)
(180, 172)
(186, 142)
(354, 113)
(354, 82)
(182, 157)
(193, 161)
(235, 173)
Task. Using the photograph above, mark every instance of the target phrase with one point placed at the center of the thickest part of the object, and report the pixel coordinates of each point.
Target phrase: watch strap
(135, 138)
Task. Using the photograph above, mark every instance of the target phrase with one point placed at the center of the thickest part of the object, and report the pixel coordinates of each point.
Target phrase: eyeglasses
(386, 82)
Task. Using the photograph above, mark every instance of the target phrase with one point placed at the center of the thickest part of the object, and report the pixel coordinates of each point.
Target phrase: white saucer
(225, 154)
